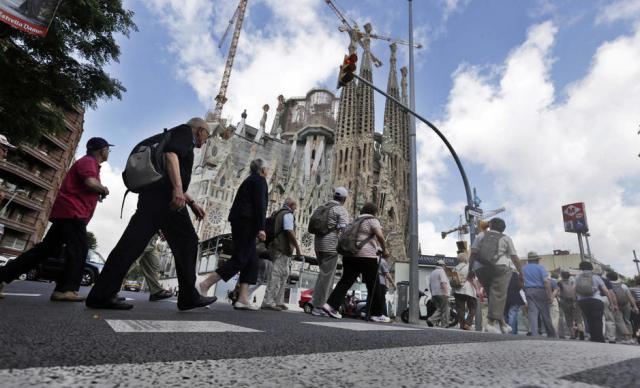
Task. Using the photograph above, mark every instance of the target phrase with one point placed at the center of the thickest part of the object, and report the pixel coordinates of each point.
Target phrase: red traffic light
(347, 69)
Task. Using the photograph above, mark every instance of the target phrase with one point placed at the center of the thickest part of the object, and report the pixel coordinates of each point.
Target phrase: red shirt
(75, 199)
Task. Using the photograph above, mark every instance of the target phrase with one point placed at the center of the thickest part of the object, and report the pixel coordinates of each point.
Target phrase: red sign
(32, 16)
(575, 218)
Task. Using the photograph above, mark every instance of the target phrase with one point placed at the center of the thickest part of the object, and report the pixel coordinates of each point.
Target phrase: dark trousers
(178, 230)
(592, 311)
(244, 258)
(352, 267)
(465, 303)
(66, 238)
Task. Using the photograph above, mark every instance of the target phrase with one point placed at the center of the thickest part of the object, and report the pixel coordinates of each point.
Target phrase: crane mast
(221, 98)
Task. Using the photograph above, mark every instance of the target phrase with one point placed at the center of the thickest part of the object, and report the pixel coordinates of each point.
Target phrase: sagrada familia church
(316, 143)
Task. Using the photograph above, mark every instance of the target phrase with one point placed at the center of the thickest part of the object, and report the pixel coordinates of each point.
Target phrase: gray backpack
(621, 295)
(348, 244)
(584, 284)
(319, 221)
(488, 247)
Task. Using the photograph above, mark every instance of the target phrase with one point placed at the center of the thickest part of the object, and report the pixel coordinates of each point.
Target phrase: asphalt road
(66, 344)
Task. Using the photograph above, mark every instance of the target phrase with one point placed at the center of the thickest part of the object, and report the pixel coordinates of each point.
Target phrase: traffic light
(346, 70)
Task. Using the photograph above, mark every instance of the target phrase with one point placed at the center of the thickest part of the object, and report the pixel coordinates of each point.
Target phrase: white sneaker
(381, 319)
(319, 312)
(332, 313)
(492, 328)
(505, 328)
(242, 306)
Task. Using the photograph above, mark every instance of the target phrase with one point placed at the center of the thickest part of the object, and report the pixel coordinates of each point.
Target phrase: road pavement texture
(65, 344)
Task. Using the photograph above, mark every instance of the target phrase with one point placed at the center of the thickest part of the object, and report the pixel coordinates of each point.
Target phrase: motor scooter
(425, 300)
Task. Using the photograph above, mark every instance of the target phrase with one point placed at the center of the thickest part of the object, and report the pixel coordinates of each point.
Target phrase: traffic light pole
(413, 184)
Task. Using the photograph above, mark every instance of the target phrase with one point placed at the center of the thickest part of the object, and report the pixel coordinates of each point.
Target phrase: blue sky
(496, 76)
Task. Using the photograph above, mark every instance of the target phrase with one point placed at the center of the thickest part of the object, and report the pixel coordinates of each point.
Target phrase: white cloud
(545, 153)
(296, 48)
(106, 223)
(620, 10)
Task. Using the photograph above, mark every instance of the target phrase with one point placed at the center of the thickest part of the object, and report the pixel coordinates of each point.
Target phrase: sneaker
(492, 328)
(505, 328)
(331, 312)
(283, 307)
(68, 296)
(381, 319)
(319, 312)
(267, 306)
(242, 306)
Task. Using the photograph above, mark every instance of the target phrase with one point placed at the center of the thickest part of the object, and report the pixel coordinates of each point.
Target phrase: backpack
(488, 247)
(348, 244)
(270, 226)
(621, 295)
(454, 280)
(145, 164)
(319, 221)
(584, 282)
(567, 291)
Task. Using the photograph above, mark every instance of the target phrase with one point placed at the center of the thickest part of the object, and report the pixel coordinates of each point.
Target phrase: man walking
(67, 236)
(161, 207)
(439, 286)
(537, 288)
(588, 289)
(333, 223)
(281, 250)
(626, 303)
(490, 255)
(150, 266)
(247, 217)
(568, 304)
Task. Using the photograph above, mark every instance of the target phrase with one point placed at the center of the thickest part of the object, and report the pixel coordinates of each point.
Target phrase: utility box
(402, 293)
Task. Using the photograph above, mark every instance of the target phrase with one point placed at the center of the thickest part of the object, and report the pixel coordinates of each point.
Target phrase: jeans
(512, 318)
(593, 311)
(539, 304)
(244, 258)
(465, 304)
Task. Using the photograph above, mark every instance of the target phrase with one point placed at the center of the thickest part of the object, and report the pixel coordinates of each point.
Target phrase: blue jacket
(250, 203)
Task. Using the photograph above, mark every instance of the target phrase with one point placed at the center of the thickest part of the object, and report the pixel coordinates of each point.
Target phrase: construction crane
(221, 97)
(352, 28)
(464, 228)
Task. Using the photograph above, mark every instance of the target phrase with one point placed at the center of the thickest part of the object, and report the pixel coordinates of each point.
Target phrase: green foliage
(63, 70)
(91, 239)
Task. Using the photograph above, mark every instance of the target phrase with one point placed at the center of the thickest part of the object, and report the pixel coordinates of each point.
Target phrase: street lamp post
(635, 260)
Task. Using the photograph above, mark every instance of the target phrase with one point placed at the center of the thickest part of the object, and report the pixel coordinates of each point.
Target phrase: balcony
(21, 172)
(56, 141)
(41, 156)
(17, 226)
(25, 201)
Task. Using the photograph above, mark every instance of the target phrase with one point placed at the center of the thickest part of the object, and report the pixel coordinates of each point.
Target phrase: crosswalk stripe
(19, 294)
(147, 326)
(360, 326)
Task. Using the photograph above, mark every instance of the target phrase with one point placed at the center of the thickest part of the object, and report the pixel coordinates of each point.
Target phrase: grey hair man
(332, 218)
(440, 289)
(281, 250)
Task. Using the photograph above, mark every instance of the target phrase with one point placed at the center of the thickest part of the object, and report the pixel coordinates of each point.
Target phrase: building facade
(30, 178)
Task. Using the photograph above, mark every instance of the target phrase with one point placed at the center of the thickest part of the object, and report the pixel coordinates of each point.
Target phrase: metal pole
(581, 247)
(414, 298)
(586, 238)
(635, 260)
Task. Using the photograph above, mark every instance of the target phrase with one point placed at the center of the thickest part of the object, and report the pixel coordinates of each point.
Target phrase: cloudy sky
(541, 100)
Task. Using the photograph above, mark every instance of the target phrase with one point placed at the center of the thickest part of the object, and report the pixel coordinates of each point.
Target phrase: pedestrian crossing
(163, 326)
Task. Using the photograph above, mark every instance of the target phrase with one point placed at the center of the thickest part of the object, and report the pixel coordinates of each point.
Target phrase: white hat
(5, 142)
(440, 262)
(341, 192)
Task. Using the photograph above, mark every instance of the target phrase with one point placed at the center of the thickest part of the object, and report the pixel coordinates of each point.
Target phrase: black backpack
(270, 226)
(319, 221)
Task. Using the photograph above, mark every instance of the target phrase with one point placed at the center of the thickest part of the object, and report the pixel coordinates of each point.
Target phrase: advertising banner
(575, 218)
(31, 16)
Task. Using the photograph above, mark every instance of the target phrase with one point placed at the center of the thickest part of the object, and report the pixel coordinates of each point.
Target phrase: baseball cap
(97, 143)
(341, 192)
(5, 142)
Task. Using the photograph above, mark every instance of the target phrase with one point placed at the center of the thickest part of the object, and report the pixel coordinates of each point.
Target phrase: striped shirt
(338, 220)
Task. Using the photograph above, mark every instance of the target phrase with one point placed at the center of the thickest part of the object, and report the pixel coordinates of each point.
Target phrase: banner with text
(32, 16)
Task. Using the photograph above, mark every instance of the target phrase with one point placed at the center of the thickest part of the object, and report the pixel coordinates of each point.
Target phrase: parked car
(50, 269)
(132, 285)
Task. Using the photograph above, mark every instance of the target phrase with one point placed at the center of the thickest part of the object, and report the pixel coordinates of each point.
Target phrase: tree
(92, 241)
(43, 77)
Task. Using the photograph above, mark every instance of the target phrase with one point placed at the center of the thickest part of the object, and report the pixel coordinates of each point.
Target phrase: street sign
(473, 212)
(575, 218)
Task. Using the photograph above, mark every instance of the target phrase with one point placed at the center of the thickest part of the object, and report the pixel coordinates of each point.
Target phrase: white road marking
(361, 326)
(501, 364)
(18, 294)
(144, 326)
(129, 299)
